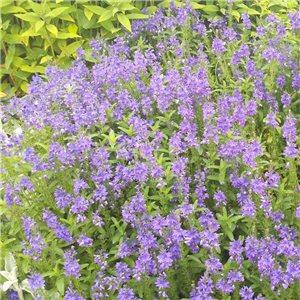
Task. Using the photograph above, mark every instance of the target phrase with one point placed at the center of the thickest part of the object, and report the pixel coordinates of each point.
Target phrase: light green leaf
(6, 3)
(35, 7)
(196, 5)
(95, 9)
(8, 60)
(210, 8)
(56, 12)
(167, 3)
(88, 14)
(125, 6)
(60, 284)
(70, 49)
(244, 9)
(105, 16)
(51, 28)
(12, 10)
(64, 35)
(72, 28)
(67, 18)
(39, 25)
(29, 17)
(124, 21)
(108, 25)
(136, 16)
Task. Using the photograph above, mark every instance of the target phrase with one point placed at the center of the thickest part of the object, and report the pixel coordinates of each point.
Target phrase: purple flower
(246, 293)
(85, 241)
(36, 281)
(71, 264)
(246, 21)
(126, 294)
(220, 197)
(218, 46)
(72, 295)
(12, 295)
(271, 120)
(161, 281)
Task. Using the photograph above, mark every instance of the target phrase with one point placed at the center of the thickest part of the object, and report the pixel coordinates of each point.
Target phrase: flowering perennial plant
(167, 170)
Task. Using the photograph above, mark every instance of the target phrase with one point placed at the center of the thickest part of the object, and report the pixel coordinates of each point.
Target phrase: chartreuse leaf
(105, 16)
(12, 10)
(29, 17)
(136, 16)
(89, 14)
(124, 21)
(167, 3)
(94, 9)
(51, 28)
(72, 28)
(39, 25)
(56, 12)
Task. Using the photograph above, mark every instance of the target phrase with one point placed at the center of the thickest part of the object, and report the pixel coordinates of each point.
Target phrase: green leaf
(39, 25)
(6, 3)
(136, 16)
(124, 21)
(196, 5)
(8, 60)
(60, 284)
(72, 28)
(35, 69)
(70, 49)
(105, 16)
(125, 6)
(64, 35)
(67, 18)
(95, 9)
(210, 8)
(244, 9)
(88, 14)
(167, 3)
(29, 17)
(56, 12)
(108, 25)
(12, 10)
(35, 7)
(52, 29)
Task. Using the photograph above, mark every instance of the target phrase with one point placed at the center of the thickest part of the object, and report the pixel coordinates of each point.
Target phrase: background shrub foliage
(167, 170)
(35, 33)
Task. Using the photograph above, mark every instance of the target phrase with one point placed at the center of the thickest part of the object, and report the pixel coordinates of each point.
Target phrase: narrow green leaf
(8, 60)
(60, 284)
(64, 35)
(29, 17)
(12, 10)
(124, 21)
(136, 16)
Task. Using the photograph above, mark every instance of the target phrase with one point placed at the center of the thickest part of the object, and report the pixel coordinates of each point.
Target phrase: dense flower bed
(167, 171)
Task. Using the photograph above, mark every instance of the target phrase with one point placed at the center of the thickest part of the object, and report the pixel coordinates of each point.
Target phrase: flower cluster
(166, 160)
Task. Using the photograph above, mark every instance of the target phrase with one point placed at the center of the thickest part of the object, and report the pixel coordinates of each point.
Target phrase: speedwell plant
(167, 171)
